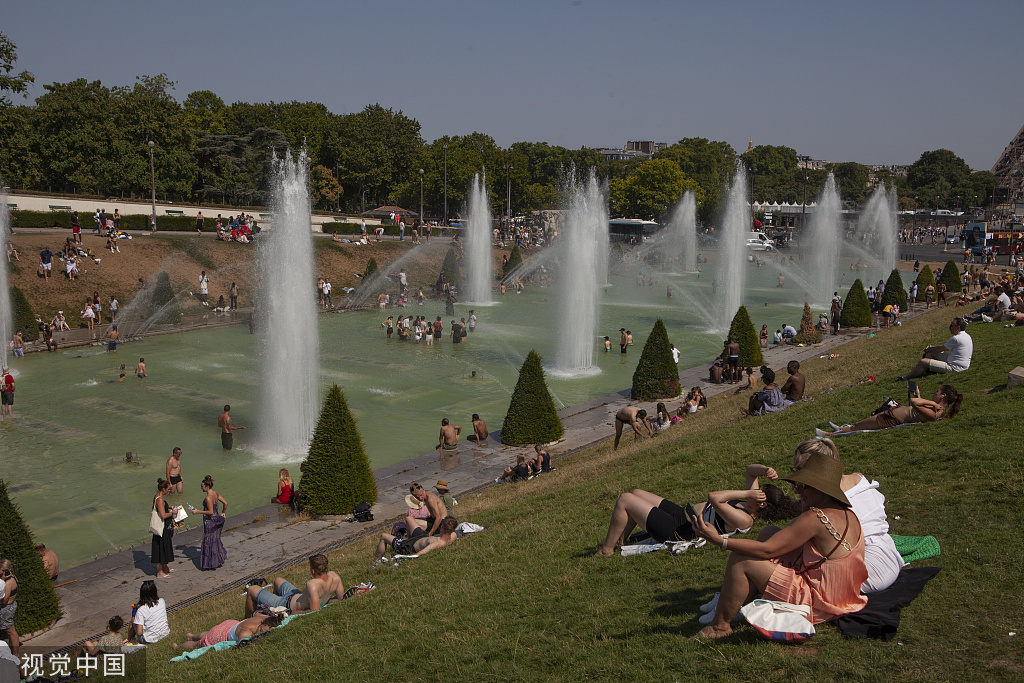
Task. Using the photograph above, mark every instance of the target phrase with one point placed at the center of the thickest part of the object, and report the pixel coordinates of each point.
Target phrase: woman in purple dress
(213, 553)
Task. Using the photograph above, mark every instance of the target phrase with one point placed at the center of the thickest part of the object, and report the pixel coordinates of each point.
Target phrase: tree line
(87, 138)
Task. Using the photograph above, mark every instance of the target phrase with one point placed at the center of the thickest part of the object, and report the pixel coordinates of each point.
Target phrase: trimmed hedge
(531, 416)
(808, 333)
(924, 278)
(22, 316)
(951, 277)
(894, 292)
(742, 331)
(450, 268)
(37, 601)
(337, 474)
(656, 375)
(857, 308)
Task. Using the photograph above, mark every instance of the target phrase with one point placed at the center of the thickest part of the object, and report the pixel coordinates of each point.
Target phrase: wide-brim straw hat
(413, 502)
(822, 473)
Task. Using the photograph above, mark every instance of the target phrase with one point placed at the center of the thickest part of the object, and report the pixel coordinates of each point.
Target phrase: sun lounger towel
(914, 548)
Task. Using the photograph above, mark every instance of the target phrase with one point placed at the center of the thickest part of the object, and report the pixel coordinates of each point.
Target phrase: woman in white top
(150, 618)
(882, 559)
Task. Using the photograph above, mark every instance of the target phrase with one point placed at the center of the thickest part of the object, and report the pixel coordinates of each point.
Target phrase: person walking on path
(212, 554)
(162, 552)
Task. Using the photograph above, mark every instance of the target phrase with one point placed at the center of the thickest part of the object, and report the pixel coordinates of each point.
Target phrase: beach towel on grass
(833, 435)
(880, 618)
(913, 548)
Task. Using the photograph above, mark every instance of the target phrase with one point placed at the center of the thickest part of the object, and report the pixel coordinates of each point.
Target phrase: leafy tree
(935, 166)
(950, 277)
(653, 190)
(773, 174)
(894, 292)
(324, 189)
(450, 268)
(857, 308)
(38, 605)
(808, 333)
(709, 163)
(337, 474)
(537, 197)
(742, 331)
(852, 180)
(205, 112)
(22, 316)
(531, 416)
(515, 259)
(924, 278)
(9, 82)
(236, 167)
(19, 156)
(656, 375)
(163, 306)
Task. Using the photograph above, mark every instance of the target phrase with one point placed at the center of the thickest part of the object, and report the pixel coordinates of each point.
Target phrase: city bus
(626, 229)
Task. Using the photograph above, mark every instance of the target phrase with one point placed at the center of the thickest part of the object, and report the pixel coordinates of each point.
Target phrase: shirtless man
(418, 544)
(174, 470)
(226, 429)
(793, 389)
(112, 336)
(323, 586)
(435, 506)
(731, 357)
(448, 439)
(634, 417)
(140, 368)
(479, 430)
(50, 562)
(623, 341)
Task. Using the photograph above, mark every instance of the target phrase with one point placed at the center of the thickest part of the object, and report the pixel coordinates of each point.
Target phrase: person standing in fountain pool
(140, 368)
(112, 336)
(173, 470)
(226, 429)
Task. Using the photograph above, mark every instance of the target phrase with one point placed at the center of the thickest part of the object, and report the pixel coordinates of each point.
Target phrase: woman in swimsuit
(944, 404)
(818, 560)
(212, 554)
(729, 512)
(285, 489)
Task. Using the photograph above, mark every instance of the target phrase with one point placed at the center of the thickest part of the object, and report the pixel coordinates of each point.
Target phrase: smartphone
(690, 510)
(912, 387)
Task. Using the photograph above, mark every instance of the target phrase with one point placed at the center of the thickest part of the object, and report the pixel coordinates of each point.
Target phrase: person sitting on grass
(818, 560)
(320, 589)
(418, 543)
(109, 642)
(751, 381)
(768, 400)
(435, 507)
(662, 420)
(541, 463)
(518, 472)
(730, 512)
(953, 356)
(231, 629)
(944, 404)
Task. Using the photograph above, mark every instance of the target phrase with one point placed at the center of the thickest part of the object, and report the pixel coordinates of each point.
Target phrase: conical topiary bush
(37, 601)
(924, 278)
(371, 268)
(22, 316)
(531, 416)
(894, 292)
(163, 307)
(808, 333)
(450, 268)
(951, 277)
(857, 309)
(515, 259)
(742, 331)
(337, 474)
(656, 375)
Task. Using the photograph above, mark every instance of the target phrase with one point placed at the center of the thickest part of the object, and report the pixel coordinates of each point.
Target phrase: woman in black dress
(163, 548)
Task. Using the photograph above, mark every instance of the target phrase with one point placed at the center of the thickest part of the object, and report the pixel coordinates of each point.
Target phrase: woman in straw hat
(818, 560)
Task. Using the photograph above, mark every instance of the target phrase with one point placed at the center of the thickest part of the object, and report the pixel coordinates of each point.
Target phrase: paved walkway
(267, 539)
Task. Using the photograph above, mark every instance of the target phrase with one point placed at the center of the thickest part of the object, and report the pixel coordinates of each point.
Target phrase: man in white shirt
(953, 356)
(675, 353)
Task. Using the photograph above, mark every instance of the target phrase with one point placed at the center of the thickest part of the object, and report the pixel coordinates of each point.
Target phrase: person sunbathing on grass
(418, 543)
(729, 512)
(231, 629)
(944, 404)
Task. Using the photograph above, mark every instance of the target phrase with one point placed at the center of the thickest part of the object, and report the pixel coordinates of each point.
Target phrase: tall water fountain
(824, 235)
(878, 226)
(684, 228)
(287, 321)
(478, 244)
(580, 256)
(6, 314)
(732, 250)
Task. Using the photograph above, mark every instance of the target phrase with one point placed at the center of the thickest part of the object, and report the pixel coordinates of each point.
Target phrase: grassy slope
(526, 601)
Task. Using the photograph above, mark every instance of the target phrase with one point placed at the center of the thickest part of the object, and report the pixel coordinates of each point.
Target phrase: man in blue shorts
(320, 589)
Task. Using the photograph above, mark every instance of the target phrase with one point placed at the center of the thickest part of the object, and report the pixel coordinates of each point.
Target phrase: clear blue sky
(872, 82)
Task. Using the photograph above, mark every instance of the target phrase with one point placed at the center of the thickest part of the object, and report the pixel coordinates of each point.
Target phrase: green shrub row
(742, 331)
(857, 308)
(656, 375)
(531, 416)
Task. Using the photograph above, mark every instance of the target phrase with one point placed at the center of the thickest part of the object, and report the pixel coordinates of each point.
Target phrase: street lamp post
(362, 201)
(803, 216)
(421, 195)
(508, 183)
(338, 179)
(152, 178)
(445, 147)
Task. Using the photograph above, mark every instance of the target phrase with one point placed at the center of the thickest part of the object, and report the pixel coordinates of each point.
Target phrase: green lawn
(525, 600)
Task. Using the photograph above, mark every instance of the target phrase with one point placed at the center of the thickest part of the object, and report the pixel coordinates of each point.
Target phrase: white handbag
(156, 522)
(779, 621)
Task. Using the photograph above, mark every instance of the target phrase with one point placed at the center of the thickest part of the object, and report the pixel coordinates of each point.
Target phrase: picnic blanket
(880, 618)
